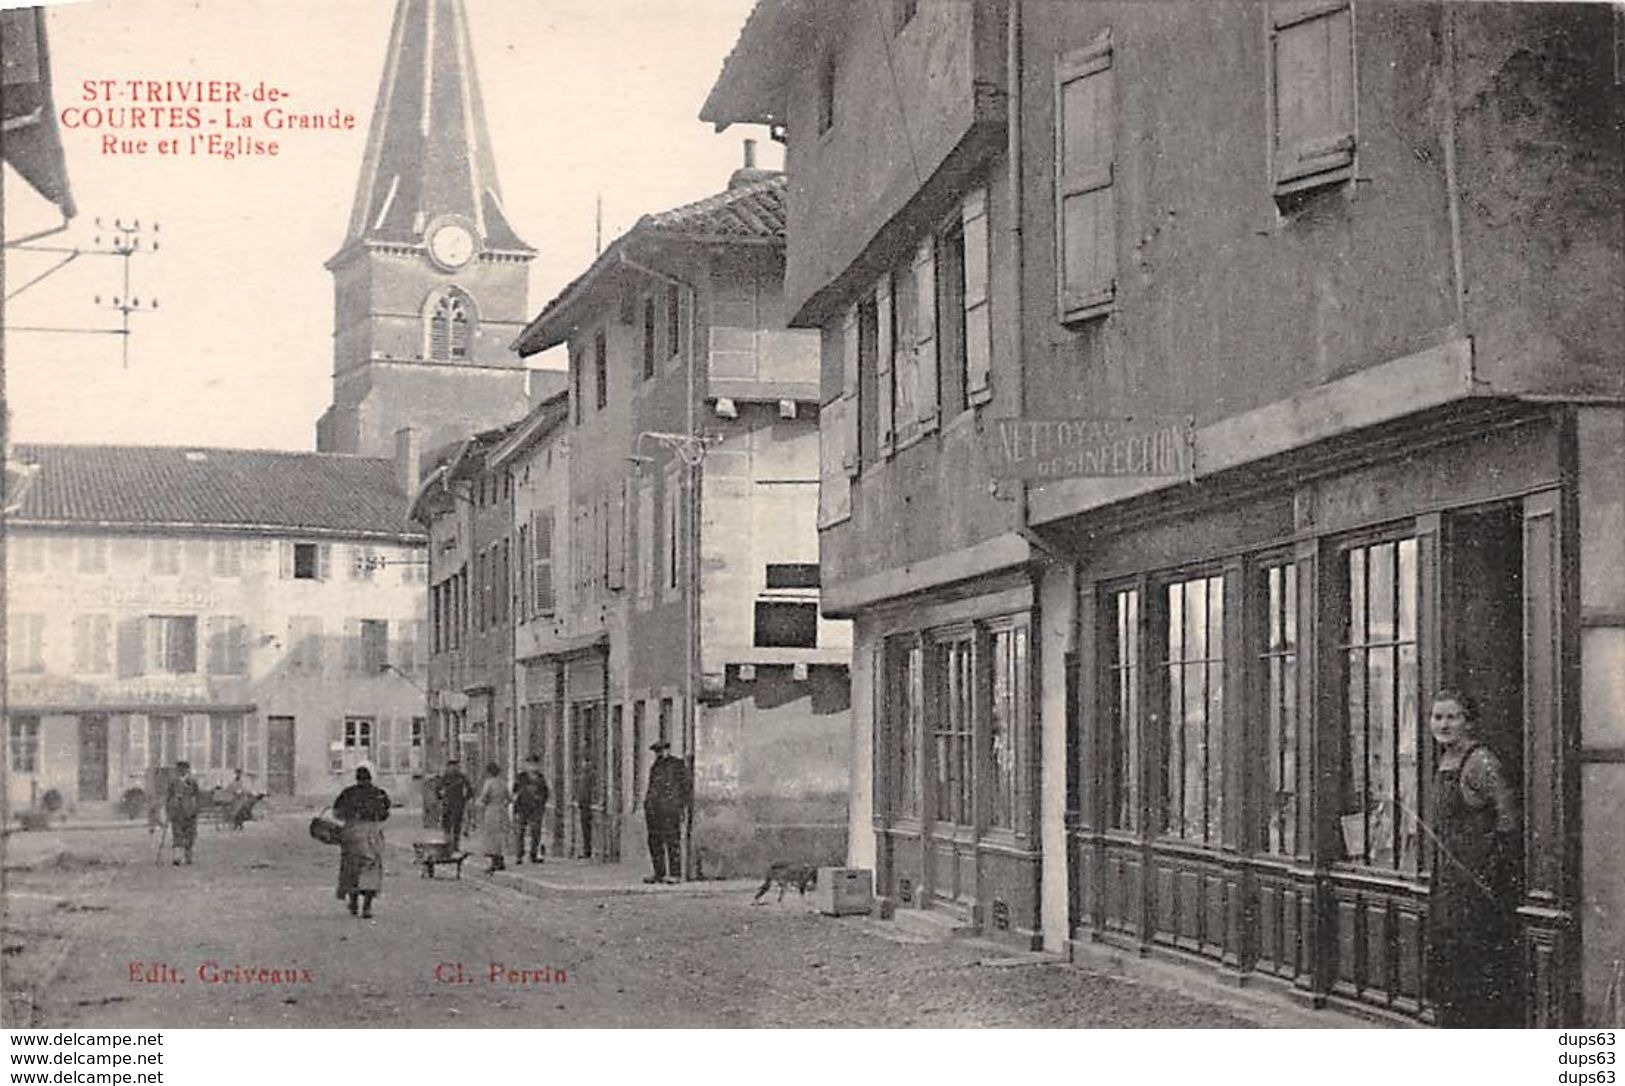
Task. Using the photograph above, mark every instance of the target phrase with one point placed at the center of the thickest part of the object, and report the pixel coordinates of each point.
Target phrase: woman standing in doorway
(494, 829)
(1472, 926)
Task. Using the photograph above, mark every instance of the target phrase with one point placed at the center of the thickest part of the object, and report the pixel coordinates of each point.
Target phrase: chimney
(749, 173)
(407, 454)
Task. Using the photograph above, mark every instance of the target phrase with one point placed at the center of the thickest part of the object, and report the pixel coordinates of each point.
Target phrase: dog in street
(801, 876)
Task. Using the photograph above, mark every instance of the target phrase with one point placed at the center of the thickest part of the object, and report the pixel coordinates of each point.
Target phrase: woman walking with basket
(362, 808)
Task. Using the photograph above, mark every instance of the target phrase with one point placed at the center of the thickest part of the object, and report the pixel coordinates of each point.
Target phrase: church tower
(430, 284)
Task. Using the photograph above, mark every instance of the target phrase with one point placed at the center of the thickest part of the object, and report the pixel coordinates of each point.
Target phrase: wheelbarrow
(435, 851)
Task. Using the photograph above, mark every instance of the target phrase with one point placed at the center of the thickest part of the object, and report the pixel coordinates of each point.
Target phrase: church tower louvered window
(451, 326)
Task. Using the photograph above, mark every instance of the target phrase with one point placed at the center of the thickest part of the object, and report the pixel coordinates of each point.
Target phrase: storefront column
(1600, 438)
(1057, 605)
(860, 841)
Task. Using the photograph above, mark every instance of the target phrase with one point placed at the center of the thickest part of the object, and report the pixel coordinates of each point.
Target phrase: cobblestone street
(99, 935)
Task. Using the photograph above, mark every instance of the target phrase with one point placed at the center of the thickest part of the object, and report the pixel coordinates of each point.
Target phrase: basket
(325, 829)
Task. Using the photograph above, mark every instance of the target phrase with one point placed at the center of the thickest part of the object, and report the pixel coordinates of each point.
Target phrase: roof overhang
(753, 87)
(535, 428)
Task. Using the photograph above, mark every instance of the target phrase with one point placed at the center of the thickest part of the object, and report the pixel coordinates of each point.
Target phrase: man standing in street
(454, 791)
(664, 804)
(529, 801)
(584, 785)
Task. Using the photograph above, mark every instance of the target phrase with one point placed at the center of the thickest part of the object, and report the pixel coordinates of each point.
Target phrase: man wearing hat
(664, 804)
(454, 791)
(529, 800)
(181, 802)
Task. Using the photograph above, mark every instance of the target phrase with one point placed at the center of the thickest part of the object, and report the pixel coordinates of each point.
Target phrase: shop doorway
(279, 755)
(93, 757)
(1486, 650)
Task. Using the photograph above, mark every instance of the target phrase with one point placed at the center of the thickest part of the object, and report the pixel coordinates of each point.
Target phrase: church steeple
(428, 152)
(430, 282)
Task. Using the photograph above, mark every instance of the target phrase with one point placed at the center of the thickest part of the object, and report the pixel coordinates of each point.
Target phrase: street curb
(537, 886)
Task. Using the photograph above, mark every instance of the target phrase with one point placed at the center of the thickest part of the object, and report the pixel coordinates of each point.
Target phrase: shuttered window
(1312, 93)
(894, 323)
(851, 454)
(1085, 207)
(978, 328)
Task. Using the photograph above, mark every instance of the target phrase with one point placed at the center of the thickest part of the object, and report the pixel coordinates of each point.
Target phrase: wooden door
(93, 757)
(279, 752)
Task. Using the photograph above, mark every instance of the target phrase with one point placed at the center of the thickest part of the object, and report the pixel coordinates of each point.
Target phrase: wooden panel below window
(1381, 942)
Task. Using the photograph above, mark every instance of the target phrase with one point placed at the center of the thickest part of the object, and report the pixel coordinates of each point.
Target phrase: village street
(97, 934)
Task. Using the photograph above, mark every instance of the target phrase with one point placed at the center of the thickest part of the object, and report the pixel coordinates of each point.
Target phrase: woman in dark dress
(363, 807)
(1472, 926)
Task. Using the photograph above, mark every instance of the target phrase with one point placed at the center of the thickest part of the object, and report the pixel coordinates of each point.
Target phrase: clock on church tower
(430, 283)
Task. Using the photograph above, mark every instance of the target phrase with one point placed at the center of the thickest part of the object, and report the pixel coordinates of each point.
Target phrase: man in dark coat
(530, 795)
(664, 804)
(182, 800)
(585, 784)
(454, 792)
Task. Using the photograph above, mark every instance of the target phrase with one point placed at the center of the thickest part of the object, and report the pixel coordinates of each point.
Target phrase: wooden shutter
(617, 537)
(925, 337)
(978, 325)
(285, 559)
(851, 455)
(352, 645)
(1086, 218)
(136, 730)
(1312, 91)
(886, 373)
(324, 561)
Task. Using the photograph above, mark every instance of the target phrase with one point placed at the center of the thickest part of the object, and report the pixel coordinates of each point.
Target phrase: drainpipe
(691, 553)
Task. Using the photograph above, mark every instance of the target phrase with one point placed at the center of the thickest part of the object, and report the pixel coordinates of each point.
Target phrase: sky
(584, 99)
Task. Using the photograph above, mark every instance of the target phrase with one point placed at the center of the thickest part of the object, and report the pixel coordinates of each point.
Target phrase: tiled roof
(146, 487)
(754, 211)
(750, 211)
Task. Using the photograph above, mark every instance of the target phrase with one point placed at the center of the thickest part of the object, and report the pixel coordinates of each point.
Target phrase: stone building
(242, 610)
(691, 612)
(1352, 271)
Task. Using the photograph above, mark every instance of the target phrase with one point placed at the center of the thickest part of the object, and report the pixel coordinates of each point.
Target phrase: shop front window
(1381, 772)
(1123, 708)
(907, 715)
(1193, 754)
(1009, 735)
(1278, 663)
(952, 729)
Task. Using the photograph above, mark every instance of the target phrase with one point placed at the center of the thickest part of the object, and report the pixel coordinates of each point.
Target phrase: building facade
(161, 609)
(692, 610)
(1364, 258)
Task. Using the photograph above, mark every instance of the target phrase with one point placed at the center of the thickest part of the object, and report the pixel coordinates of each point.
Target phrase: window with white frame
(1085, 204)
(1311, 73)
(24, 744)
(172, 644)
